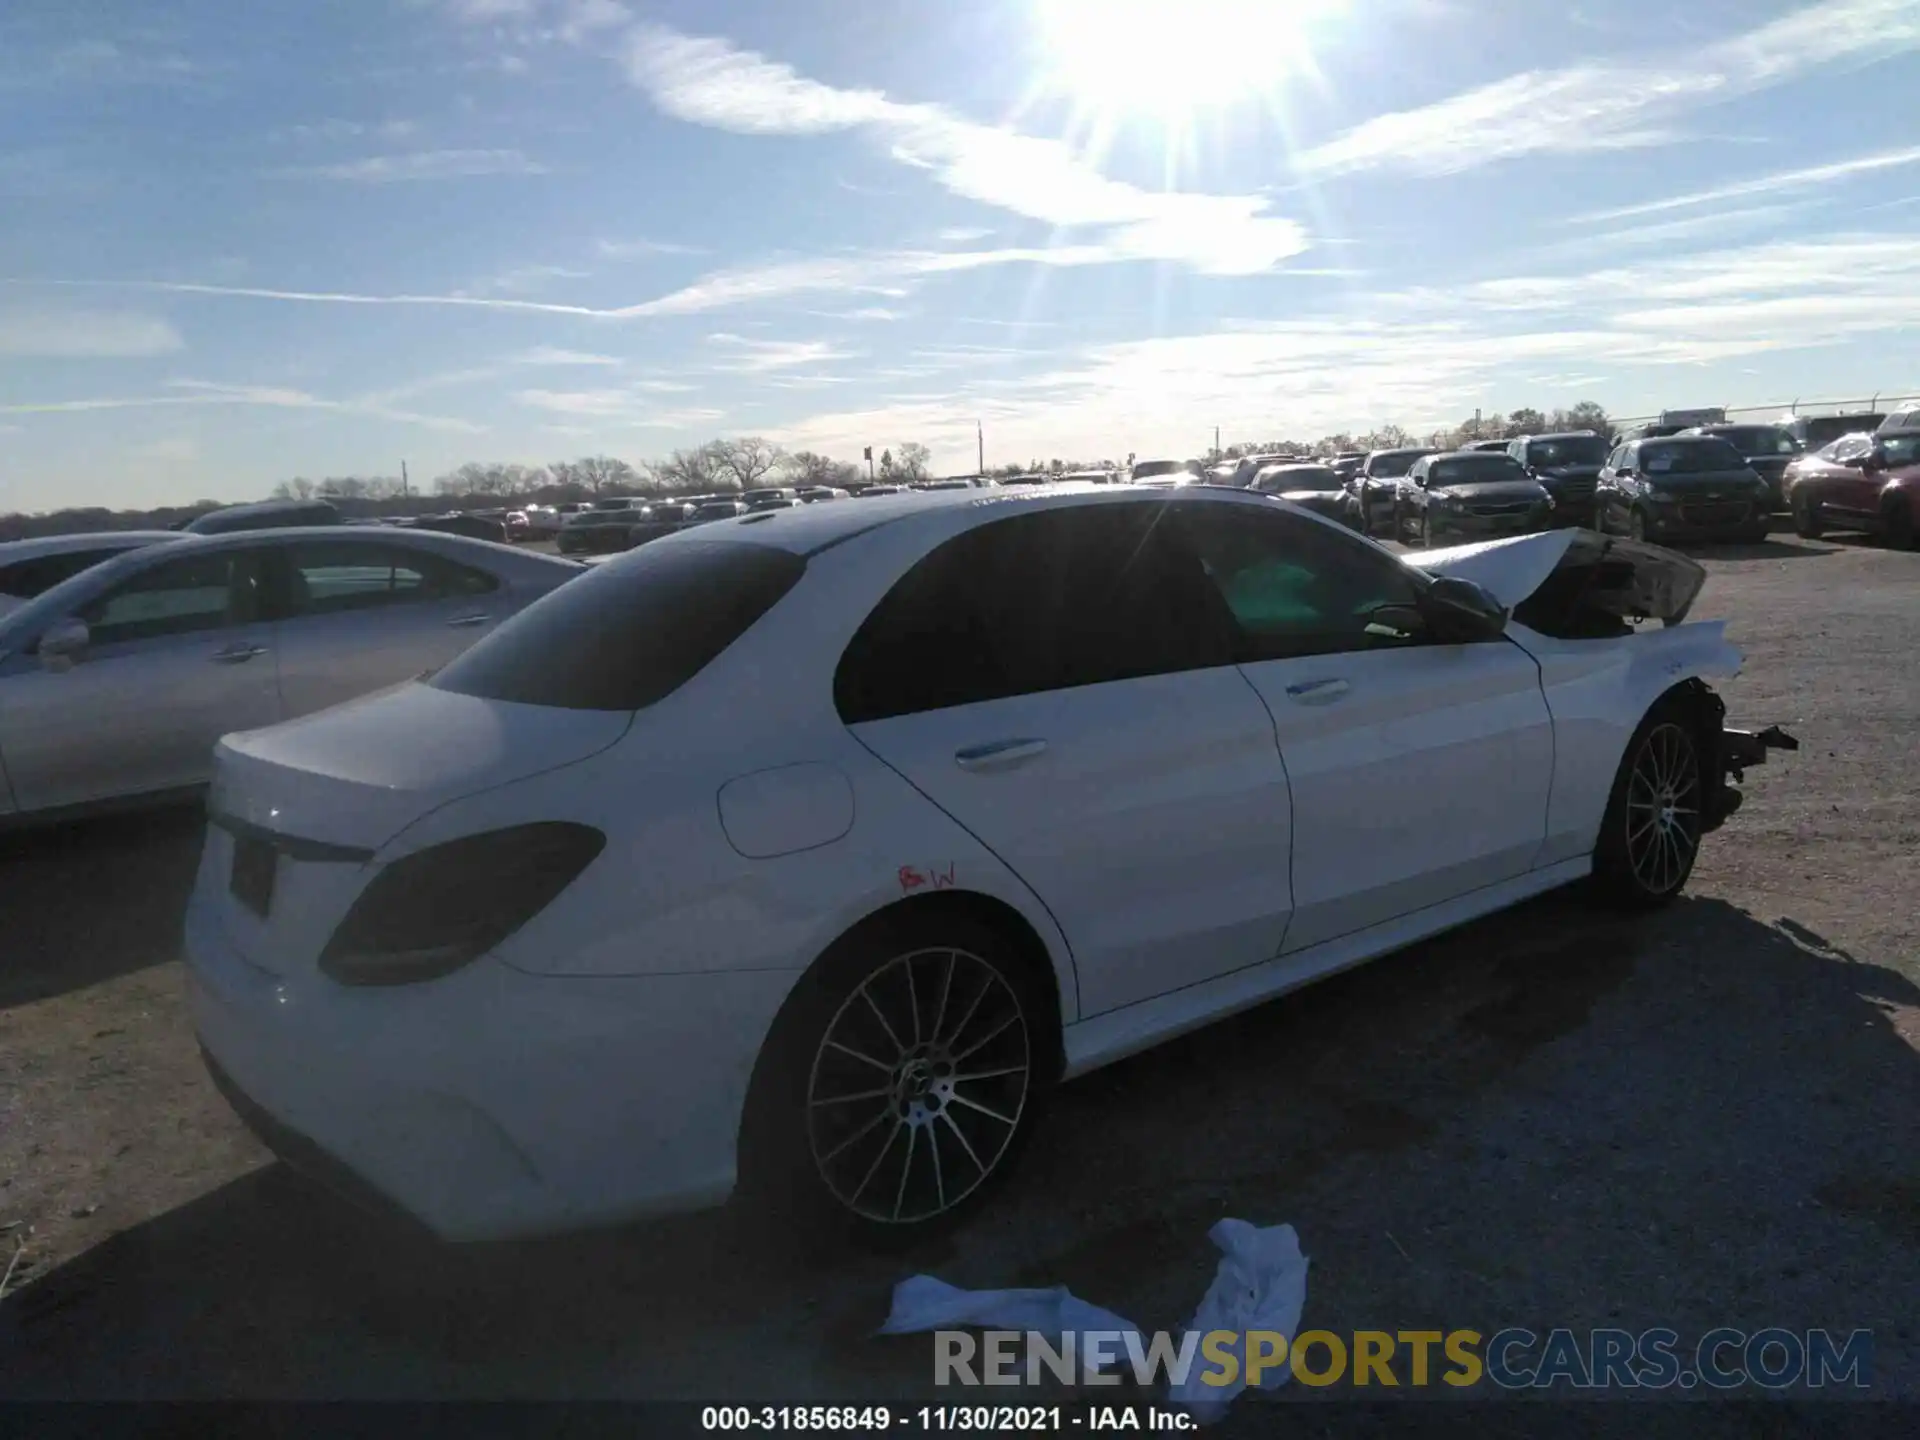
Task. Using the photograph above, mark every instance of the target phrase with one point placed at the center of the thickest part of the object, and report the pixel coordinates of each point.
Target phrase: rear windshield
(1757, 440)
(630, 633)
(1309, 477)
(1474, 469)
(1148, 468)
(1567, 450)
(1689, 457)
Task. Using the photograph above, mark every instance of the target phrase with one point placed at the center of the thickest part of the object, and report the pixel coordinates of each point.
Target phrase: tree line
(729, 464)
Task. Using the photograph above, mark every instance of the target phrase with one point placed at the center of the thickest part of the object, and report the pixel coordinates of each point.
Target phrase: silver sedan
(115, 684)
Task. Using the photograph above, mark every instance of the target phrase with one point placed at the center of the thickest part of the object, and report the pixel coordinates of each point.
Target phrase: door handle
(998, 754)
(238, 654)
(462, 621)
(1317, 692)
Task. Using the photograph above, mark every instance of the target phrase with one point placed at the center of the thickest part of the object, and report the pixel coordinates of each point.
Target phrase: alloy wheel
(918, 1086)
(1663, 809)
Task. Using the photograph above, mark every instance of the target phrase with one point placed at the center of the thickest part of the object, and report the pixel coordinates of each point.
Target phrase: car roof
(38, 545)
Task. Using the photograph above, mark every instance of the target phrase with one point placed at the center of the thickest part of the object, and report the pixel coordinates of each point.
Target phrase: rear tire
(901, 1084)
(1806, 514)
(1637, 524)
(1650, 835)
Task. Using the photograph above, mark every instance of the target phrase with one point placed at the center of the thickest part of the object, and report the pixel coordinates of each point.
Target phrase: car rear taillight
(434, 911)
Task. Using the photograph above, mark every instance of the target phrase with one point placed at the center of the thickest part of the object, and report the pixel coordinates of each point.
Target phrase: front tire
(1650, 835)
(902, 1084)
(1899, 525)
(1806, 514)
(1636, 524)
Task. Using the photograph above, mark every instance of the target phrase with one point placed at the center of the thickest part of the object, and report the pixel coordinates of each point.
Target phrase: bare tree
(804, 467)
(690, 472)
(603, 473)
(748, 460)
(914, 462)
(298, 488)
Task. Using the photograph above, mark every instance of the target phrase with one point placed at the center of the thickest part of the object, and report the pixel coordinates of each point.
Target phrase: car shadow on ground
(91, 900)
(1554, 1117)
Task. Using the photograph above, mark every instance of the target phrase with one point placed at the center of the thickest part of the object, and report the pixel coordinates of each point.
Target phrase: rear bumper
(491, 1104)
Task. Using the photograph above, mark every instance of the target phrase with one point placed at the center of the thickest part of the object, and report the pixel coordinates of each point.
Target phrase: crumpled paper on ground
(1260, 1284)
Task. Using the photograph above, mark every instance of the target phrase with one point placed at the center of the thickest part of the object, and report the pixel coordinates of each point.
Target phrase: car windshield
(1755, 441)
(1391, 464)
(1478, 469)
(1148, 468)
(1303, 477)
(1690, 457)
(1567, 450)
(1825, 429)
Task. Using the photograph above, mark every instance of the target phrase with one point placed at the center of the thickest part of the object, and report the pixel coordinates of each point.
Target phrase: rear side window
(1030, 604)
(326, 577)
(626, 635)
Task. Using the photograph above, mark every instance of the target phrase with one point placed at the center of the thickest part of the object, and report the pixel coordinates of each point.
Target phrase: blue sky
(242, 243)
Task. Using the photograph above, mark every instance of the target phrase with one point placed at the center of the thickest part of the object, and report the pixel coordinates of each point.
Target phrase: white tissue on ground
(924, 1303)
(1260, 1284)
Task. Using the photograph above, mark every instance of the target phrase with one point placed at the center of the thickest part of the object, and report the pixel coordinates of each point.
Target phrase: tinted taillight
(434, 911)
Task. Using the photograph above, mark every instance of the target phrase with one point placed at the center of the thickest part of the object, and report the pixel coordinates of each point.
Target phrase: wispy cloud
(336, 129)
(636, 248)
(550, 355)
(422, 165)
(707, 81)
(203, 392)
(523, 278)
(1781, 181)
(85, 334)
(757, 357)
(94, 62)
(1605, 105)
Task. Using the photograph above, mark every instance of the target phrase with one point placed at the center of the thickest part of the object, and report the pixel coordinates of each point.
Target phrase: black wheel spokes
(1663, 809)
(918, 1086)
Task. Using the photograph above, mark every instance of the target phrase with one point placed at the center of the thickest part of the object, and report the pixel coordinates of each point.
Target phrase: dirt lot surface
(1553, 1118)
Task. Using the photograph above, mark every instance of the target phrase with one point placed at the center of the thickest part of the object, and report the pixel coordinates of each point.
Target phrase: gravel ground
(1552, 1118)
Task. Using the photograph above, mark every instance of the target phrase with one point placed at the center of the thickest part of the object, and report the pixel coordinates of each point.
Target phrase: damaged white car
(809, 850)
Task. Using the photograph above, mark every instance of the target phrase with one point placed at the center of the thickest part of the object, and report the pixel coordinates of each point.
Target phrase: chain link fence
(1785, 409)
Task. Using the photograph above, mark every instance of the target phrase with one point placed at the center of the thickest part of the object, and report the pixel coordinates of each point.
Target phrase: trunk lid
(358, 774)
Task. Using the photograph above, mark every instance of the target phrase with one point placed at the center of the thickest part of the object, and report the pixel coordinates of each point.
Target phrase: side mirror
(63, 642)
(1397, 622)
(1460, 612)
(1873, 461)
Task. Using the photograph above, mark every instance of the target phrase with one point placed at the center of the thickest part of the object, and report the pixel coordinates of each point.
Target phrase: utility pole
(980, 436)
(869, 464)
(403, 479)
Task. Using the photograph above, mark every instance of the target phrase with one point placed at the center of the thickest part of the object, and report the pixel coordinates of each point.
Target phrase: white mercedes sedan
(807, 851)
(116, 683)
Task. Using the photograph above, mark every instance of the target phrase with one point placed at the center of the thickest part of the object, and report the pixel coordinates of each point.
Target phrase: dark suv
(1568, 465)
(1769, 449)
(1683, 487)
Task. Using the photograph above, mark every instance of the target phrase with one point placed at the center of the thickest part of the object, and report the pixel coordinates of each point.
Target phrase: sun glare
(1174, 56)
